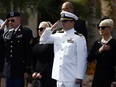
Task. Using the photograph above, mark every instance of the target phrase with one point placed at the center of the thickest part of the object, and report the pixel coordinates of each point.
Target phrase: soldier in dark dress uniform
(17, 51)
(43, 59)
(104, 52)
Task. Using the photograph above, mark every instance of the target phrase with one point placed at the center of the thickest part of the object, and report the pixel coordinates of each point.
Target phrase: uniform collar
(69, 31)
(17, 28)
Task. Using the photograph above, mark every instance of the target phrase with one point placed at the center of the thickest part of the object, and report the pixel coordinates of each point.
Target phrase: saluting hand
(54, 26)
(3, 24)
(104, 47)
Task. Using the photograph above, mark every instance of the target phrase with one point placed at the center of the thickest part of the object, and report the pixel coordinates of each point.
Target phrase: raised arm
(3, 24)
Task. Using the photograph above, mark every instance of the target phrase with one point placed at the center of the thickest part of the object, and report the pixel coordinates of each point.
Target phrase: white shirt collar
(106, 41)
(69, 31)
(16, 28)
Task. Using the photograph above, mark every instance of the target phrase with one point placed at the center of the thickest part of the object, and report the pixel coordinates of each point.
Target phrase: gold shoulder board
(79, 34)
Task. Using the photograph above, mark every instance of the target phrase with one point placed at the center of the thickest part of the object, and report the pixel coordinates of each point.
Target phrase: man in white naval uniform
(70, 50)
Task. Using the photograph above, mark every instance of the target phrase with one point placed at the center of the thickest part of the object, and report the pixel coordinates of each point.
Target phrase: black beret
(104, 18)
(13, 14)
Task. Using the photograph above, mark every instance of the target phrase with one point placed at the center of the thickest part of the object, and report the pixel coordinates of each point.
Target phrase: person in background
(17, 41)
(70, 52)
(43, 59)
(80, 25)
(39, 32)
(103, 52)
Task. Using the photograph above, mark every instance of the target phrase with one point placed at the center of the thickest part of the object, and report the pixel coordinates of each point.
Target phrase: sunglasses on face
(41, 29)
(102, 27)
(12, 20)
(64, 21)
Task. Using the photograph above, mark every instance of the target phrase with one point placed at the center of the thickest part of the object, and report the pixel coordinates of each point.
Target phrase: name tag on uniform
(19, 36)
(70, 40)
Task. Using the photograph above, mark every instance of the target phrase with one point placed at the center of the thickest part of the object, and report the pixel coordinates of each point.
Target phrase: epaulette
(78, 34)
(60, 31)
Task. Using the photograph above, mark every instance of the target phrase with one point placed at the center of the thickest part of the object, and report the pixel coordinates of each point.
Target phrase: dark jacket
(1, 51)
(105, 64)
(17, 52)
(42, 63)
(80, 27)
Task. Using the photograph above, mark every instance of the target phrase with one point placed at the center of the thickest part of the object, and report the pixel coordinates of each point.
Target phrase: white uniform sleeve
(47, 36)
(81, 57)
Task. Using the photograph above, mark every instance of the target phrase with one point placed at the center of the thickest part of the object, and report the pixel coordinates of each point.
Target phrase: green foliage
(48, 10)
(81, 2)
(80, 10)
(98, 9)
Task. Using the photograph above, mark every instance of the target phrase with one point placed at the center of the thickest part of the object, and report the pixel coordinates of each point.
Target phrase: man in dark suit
(17, 51)
(80, 25)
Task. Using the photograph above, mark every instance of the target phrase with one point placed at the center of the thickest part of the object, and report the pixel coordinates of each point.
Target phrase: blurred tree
(91, 32)
(113, 12)
(91, 22)
(105, 7)
(47, 9)
(80, 8)
(108, 8)
(16, 5)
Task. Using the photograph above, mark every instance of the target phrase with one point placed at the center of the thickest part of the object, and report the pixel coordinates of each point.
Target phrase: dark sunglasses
(41, 29)
(12, 20)
(102, 27)
(64, 21)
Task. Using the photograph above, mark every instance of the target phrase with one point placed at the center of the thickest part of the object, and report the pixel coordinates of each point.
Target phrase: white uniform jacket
(70, 54)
